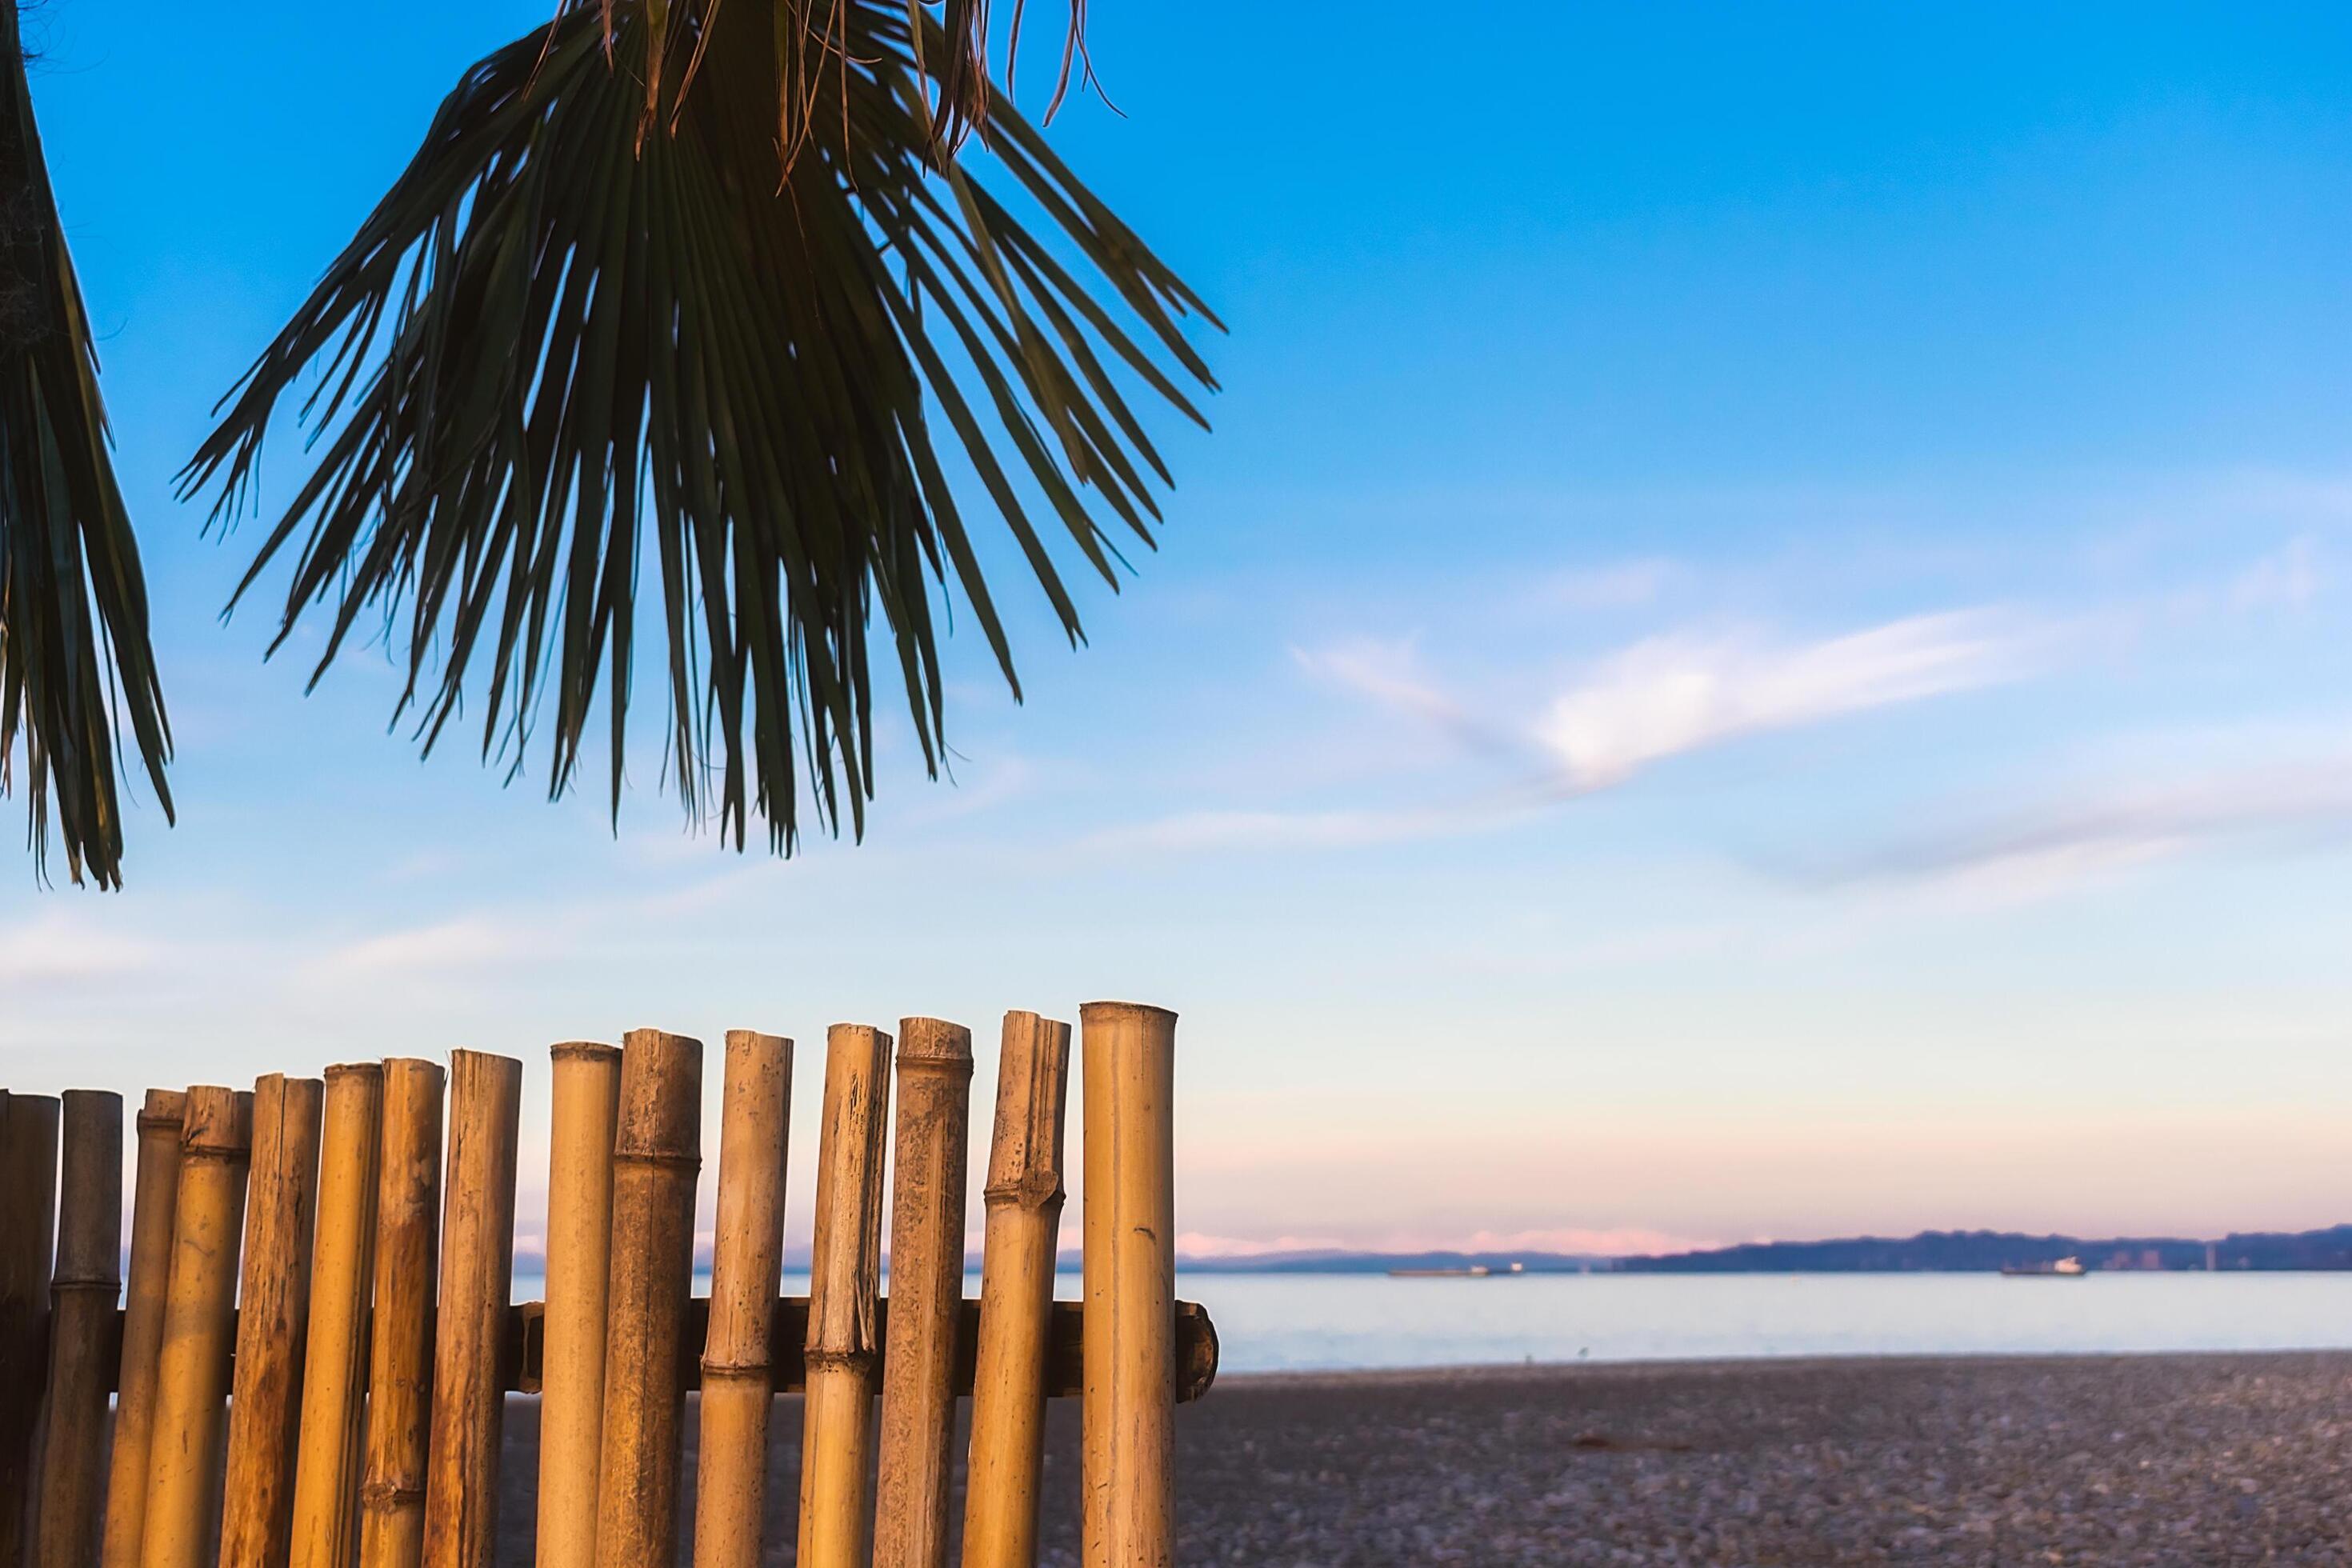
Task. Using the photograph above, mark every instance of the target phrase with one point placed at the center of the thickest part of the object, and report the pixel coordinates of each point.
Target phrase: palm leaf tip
(562, 353)
(76, 664)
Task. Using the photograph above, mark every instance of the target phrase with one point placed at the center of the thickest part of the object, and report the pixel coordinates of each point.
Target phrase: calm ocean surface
(1331, 1322)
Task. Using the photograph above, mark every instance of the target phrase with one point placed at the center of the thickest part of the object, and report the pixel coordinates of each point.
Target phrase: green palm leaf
(74, 654)
(554, 341)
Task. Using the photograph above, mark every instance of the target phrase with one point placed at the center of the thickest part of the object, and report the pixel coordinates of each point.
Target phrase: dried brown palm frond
(556, 340)
(74, 657)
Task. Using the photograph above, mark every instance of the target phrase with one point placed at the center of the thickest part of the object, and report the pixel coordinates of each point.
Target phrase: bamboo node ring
(672, 1159)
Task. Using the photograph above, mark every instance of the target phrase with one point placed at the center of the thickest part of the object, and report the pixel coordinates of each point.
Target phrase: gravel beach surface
(2185, 1460)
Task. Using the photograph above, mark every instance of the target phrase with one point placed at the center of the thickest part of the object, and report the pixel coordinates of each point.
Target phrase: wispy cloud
(2287, 578)
(447, 950)
(62, 947)
(2052, 847)
(1679, 693)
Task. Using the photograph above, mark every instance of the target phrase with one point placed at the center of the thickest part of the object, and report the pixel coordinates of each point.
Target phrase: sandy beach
(2174, 1460)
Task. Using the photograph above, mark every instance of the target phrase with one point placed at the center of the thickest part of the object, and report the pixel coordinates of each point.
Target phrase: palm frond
(74, 654)
(553, 341)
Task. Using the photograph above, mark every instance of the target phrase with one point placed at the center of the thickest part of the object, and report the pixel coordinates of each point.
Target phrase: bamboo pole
(1128, 1418)
(587, 1083)
(29, 1195)
(334, 1358)
(844, 1280)
(273, 1321)
(461, 1489)
(408, 1204)
(656, 1150)
(927, 1206)
(738, 1376)
(192, 1373)
(89, 1277)
(1016, 1294)
(154, 1196)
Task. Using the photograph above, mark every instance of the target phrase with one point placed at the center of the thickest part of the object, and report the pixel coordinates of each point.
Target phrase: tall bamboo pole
(89, 1277)
(1128, 1418)
(844, 1280)
(192, 1373)
(587, 1086)
(1016, 1294)
(408, 1204)
(461, 1489)
(29, 1195)
(927, 1203)
(738, 1376)
(657, 1150)
(343, 1274)
(273, 1321)
(154, 1196)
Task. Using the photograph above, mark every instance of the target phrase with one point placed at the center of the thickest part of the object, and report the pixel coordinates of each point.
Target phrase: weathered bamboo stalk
(342, 1273)
(656, 1150)
(29, 1195)
(154, 1198)
(184, 1460)
(844, 1280)
(408, 1205)
(1016, 1294)
(738, 1386)
(926, 1204)
(81, 1321)
(273, 1321)
(587, 1085)
(1128, 1419)
(461, 1489)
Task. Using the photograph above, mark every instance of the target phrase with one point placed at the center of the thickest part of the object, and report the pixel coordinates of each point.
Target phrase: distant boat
(1476, 1272)
(2065, 1268)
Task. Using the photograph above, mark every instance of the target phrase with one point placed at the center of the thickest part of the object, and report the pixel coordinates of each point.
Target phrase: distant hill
(1929, 1252)
(1977, 1251)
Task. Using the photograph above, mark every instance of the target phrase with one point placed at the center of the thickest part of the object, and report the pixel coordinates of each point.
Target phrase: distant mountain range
(1929, 1252)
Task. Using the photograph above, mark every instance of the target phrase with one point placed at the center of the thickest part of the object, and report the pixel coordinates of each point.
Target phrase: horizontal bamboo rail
(522, 1344)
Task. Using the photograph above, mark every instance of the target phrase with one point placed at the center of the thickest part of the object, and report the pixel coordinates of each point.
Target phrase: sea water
(1290, 1323)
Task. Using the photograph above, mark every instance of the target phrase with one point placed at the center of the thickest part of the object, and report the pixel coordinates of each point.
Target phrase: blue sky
(1758, 648)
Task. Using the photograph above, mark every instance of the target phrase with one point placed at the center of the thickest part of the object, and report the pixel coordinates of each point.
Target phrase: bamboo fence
(316, 1341)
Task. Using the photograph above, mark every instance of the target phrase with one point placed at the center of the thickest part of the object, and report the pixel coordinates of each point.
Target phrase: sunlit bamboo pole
(81, 1325)
(738, 1376)
(28, 1194)
(461, 1487)
(342, 1272)
(845, 1279)
(154, 1198)
(1128, 1418)
(273, 1321)
(192, 1373)
(1016, 1294)
(408, 1205)
(927, 1202)
(656, 1150)
(587, 1085)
